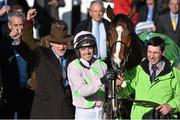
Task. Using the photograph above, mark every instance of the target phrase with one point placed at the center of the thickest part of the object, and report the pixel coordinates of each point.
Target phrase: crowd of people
(64, 76)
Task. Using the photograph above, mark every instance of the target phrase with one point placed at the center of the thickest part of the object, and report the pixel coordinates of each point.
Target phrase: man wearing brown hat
(53, 96)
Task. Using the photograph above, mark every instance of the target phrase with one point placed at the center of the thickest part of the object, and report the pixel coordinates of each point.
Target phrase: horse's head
(120, 39)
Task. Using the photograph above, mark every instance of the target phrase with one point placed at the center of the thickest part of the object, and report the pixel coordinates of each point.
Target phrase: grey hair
(178, 2)
(16, 14)
(97, 1)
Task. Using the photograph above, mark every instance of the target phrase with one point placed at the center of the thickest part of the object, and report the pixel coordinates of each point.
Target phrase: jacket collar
(85, 63)
(167, 68)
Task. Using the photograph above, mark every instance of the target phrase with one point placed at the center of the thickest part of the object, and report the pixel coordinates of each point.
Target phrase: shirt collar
(173, 15)
(15, 42)
(86, 63)
(151, 6)
(95, 22)
(159, 65)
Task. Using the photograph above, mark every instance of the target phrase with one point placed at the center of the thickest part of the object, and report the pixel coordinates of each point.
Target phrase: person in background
(162, 6)
(128, 7)
(148, 16)
(168, 23)
(15, 59)
(98, 26)
(48, 12)
(156, 82)
(87, 76)
(53, 6)
(27, 35)
(148, 11)
(5, 8)
(53, 98)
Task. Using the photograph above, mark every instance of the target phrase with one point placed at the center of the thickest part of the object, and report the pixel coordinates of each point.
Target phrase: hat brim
(67, 40)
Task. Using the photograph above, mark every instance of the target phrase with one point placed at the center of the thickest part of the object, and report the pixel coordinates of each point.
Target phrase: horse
(127, 51)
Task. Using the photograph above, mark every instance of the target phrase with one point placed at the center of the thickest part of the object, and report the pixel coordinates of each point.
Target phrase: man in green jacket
(159, 85)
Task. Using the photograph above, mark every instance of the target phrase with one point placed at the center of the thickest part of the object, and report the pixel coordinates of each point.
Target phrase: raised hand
(15, 34)
(31, 14)
(5, 9)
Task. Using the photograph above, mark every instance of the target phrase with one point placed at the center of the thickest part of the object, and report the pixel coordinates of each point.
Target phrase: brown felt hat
(59, 33)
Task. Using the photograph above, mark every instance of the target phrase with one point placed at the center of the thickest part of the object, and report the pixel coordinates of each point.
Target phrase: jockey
(87, 76)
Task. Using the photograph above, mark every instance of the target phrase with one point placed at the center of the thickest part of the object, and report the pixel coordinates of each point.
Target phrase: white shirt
(102, 47)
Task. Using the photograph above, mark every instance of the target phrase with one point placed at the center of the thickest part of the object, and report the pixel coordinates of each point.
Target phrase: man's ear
(89, 11)
(163, 53)
(9, 25)
(51, 43)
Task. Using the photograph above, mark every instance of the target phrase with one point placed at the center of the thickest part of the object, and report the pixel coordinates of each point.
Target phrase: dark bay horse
(127, 51)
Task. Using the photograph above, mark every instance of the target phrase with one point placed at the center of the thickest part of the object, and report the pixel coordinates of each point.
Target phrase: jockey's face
(86, 53)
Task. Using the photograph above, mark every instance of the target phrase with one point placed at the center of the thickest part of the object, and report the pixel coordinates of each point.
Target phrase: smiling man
(53, 98)
(154, 80)
(87, 76)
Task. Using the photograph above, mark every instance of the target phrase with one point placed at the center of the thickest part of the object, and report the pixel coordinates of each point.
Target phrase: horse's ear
(110, 13)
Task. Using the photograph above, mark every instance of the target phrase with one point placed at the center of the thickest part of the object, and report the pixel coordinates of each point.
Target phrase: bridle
(128, 51)
(115, 104)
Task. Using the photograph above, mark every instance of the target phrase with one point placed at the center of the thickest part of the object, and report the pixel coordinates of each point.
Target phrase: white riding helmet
(84, 39)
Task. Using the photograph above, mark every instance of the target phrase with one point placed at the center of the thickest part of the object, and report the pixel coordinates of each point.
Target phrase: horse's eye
(126, 33)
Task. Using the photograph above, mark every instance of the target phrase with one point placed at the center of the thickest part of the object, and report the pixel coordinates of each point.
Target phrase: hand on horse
(120, 81)
(110, 75)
